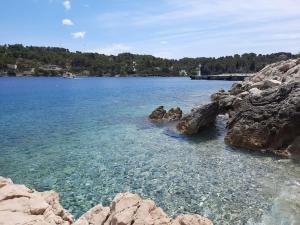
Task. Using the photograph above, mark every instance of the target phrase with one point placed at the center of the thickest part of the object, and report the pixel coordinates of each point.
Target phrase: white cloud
(67, 4)
(80, 34)
(67, 22)
(205, 27)
(113, 49)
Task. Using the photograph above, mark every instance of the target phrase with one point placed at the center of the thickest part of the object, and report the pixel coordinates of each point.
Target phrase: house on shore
(12, 67)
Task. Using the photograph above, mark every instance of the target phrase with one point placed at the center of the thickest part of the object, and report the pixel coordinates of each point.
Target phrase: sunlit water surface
(89, 139)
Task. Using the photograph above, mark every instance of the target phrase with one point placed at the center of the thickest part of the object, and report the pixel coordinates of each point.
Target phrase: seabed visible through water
(89, 139)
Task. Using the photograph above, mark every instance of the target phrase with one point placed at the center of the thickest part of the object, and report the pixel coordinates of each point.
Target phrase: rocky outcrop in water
(198, 119)
(158, 114)
(161, 115)
(20, 205)
(264, 110)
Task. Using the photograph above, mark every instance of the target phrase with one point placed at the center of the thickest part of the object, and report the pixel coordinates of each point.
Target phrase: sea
(89, 139)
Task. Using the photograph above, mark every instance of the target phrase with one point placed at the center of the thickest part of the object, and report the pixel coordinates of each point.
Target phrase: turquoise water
(89, 139)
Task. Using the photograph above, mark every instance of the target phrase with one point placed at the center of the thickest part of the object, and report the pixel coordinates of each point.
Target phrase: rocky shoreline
(263, 112)
(21, 205)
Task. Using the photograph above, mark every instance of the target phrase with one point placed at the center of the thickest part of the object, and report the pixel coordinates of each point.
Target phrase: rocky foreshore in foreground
(263, 111)
(20, 205)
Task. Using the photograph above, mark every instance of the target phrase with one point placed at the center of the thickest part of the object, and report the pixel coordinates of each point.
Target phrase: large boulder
(264, 109)
(96, 215)
(161, 115)
(198, 119)
(21, 205)
(131, 209)
(267, 121)
(158, 114)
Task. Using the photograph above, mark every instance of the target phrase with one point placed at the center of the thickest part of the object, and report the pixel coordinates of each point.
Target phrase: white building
(183, 73)
(199, 70)
(134, 64)
(12, 66)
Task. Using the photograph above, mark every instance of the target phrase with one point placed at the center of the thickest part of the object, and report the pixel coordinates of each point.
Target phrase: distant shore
(29, 60)
(230, 77)
(116, 76)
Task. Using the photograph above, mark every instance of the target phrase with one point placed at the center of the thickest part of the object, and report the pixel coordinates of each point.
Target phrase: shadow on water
(169, 129)
(260, 154)
(143, 123)
(216, 131)
(207, 134)
(296, 160)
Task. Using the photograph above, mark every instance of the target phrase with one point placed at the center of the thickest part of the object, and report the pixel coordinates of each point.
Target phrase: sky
(163, 28)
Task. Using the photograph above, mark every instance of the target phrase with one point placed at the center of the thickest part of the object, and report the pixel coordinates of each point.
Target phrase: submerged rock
(199, 118)
(20, 205)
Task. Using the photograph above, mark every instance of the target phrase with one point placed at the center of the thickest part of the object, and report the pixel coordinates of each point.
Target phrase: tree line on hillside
(55, 61)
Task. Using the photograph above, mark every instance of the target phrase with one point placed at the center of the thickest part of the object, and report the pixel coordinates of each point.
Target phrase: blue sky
(165, 28)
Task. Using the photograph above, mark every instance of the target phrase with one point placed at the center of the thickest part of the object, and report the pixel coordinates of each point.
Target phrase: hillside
(29, 60)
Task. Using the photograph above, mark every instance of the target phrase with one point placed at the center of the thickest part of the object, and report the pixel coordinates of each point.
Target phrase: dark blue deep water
(89, 139)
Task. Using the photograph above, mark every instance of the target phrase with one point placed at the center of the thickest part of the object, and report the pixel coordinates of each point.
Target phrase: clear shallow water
(89, 139)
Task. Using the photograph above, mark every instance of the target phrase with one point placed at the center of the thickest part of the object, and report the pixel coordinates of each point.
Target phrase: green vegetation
(55, 61)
